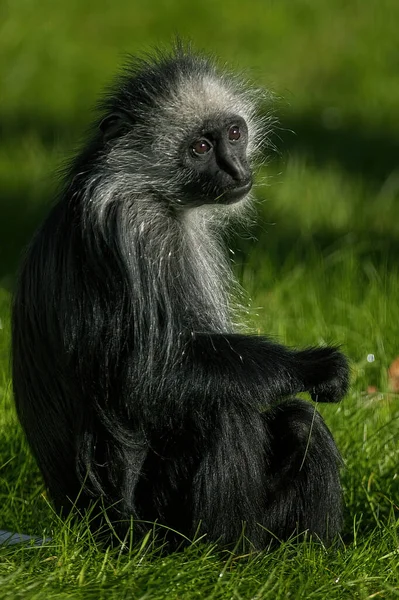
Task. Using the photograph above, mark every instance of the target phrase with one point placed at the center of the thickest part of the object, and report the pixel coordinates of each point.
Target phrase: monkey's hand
(326, 373)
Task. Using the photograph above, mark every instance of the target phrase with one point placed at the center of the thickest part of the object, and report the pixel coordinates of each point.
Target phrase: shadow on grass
(48, 130)
(19, 217)
(374, 156)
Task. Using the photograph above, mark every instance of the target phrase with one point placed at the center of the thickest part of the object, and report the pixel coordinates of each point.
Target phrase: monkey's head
(181, 130)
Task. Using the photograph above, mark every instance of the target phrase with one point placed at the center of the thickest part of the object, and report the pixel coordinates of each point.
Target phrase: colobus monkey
(130, 381)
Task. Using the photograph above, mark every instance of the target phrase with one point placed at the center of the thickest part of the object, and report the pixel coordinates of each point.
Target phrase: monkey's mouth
(236, 193)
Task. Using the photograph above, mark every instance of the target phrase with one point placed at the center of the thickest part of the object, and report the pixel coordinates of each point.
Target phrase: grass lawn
(320, 266)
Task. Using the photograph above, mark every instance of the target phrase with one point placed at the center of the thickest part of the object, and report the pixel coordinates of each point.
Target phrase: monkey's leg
(269, 476)
(303, 490)
(228, 496)
(164, 490)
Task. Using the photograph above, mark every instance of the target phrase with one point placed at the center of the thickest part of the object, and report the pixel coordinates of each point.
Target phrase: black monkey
(129, 379)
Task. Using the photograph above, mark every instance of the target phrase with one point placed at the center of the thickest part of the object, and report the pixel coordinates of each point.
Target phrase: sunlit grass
(327, 296)
(322, 269)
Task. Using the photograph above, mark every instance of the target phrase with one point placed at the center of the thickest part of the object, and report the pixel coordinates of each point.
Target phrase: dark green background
(332, 65)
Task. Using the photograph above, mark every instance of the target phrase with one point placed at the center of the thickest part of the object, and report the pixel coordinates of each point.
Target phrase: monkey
(133, 382)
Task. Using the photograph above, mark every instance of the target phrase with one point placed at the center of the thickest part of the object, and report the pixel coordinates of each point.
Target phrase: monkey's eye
(201, 147)
(234, 133)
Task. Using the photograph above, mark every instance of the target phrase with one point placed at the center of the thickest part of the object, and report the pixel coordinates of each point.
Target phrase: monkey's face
(184, 138)
(215, 162)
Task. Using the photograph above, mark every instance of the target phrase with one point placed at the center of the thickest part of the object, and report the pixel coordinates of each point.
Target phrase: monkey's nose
(237, 169)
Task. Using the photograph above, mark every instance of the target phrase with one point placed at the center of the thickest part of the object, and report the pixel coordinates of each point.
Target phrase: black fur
(129, 379)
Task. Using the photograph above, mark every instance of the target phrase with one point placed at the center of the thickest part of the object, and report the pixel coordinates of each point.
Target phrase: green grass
(306, 290)
(364, 564)
(323, 269)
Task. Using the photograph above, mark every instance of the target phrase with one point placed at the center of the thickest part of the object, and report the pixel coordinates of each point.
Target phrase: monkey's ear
(112, 125)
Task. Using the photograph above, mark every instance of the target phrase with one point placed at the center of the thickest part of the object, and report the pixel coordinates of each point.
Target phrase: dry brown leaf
(393, 375)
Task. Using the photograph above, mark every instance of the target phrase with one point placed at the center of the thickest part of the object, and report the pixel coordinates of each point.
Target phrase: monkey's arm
(277, 370)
